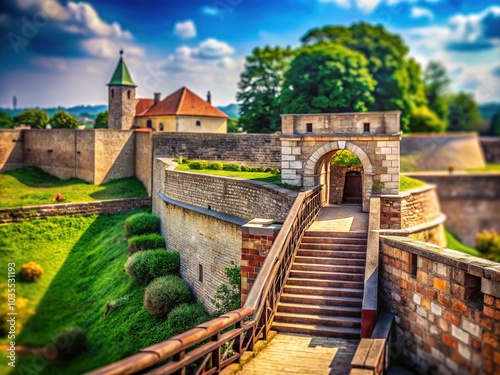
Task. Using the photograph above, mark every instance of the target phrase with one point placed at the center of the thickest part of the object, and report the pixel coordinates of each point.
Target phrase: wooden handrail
(248, 323)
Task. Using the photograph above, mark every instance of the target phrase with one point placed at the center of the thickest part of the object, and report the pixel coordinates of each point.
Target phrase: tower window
(198, 123)
(128, 94)
(366, 127)
(309, 128)
(112, 93)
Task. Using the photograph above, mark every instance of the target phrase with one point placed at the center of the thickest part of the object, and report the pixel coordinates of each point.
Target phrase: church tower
(121, 98)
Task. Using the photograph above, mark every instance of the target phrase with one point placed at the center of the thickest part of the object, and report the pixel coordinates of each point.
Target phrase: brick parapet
(447, 306)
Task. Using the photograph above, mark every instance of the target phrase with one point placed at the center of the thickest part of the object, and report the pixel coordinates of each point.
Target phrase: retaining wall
(11, 150)
(491, 149)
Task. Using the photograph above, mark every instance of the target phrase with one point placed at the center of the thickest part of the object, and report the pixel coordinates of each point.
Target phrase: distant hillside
(79, 110)
(232, 110)
(488, 110)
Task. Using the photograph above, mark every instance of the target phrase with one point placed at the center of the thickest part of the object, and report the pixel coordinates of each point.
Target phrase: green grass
(408, 163)
(454, 243)
(492, 167)
(83, 260)
(408, 183)
(31, 186)
(256, 176)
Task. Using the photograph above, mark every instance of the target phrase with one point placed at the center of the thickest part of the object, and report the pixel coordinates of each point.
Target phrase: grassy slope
(408, 183)
(492, 167)
(257, 176)
(455, 244)
(83, 259)
(31, 186)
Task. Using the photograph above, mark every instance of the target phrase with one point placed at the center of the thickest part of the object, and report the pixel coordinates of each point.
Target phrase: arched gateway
(308, 143)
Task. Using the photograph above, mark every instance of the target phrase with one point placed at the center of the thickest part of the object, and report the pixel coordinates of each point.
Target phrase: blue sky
(64, 52)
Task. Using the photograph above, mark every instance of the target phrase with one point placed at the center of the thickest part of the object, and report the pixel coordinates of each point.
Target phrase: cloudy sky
(64, 52)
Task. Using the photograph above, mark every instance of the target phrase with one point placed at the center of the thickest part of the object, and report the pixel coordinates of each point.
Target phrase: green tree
(36, 118)
(327, 78)
(424, 120)
(232, 125)
(495, 124)
(101, 121)
(436, 84)
(259, 89)
(63, 119)
(6, 121)
(463, 112)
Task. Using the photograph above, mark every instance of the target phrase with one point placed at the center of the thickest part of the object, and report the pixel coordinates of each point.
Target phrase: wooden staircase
(324, 291)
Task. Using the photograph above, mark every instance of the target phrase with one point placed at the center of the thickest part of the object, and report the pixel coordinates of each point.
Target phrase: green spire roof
(121, 76)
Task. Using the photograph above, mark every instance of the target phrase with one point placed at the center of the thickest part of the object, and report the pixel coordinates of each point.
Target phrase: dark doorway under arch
(353, 188)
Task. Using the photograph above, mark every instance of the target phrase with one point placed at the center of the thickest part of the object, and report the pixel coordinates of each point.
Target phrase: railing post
(216, 354)
(177, 358)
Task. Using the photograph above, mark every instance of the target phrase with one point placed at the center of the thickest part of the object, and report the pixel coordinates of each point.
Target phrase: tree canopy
(63, 119)
(36, 118)
(463, 112)
(436, 85)
(6, 121)
(424, 120)
(101, 121)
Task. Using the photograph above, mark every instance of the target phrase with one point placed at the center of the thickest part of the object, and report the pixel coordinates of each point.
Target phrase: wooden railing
(210, 347)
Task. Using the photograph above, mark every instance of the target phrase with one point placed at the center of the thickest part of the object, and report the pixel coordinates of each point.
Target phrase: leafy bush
(215, 165)
(488, 243)
(231, 167)
(228, 296)
(186, 316)
(275, 171)
(142, 223)
(198, 165)
(147, 265)
(164, 293)
(346, 159)
(145, 242)
(31, 271)
(424, 120)
(70, 342)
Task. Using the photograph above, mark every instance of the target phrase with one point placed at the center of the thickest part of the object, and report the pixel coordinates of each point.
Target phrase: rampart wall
(11, 150)
(491, 149)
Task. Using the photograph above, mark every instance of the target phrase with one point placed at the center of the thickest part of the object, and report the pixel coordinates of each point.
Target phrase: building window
(161, 126)
(112, 93)
(149, 124)
(309, 128)
(128, 94)
(366, 127)
(198, 123)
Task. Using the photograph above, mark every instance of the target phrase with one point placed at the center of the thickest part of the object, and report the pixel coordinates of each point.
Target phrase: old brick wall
(240, 198)
(84, 208)
(447, 307)
(471, 202)
(11, 149)
(491, 149)
(249, 149)
(114, 155)
(143, 159)
(337, 181)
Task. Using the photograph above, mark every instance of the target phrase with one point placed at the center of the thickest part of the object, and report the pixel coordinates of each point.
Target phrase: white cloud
(210, 11)
(418, 12)
(340, 3)
(185, 30)
(51, 63)
(108, 49)
(367, 6)
(213, 48)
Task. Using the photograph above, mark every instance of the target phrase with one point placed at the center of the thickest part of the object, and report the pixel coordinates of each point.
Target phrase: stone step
(326, 246)
(314, 233)
(333, 283)
(335, 240)
(328, 268)
(318, 330)
(324, 320)
(339, 276)
(319, 309)
(321, 300)
(330, 261)
(323, 291)
(332, 253)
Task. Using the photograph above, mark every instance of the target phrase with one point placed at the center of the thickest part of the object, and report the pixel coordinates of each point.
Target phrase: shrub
(142, 223)
(198, 165)
(228, 296)
(164, 293)
(231, 167)
(147, 265)
(186, 316)
(488, 243)
(70, 342)
(215, 165)
(145, 242)
(31, 271)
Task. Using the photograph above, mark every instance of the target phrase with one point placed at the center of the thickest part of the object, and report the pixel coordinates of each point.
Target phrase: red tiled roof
(142, 105)
(183, 102)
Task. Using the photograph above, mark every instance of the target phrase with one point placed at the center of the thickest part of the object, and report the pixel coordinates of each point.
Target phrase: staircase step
(327, 246)
(332, 253)
(333, 283)
(339, 276)
(317, 330)
(314, 233)
(328, 268)
(330, 261)
(324, 320)
(323, 291)
(335, 240)
(319, 309)
(321, 300)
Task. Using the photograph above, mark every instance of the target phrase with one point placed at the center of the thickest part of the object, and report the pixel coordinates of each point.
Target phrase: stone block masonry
(446, 304)
(11, 150)
(111, 206)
